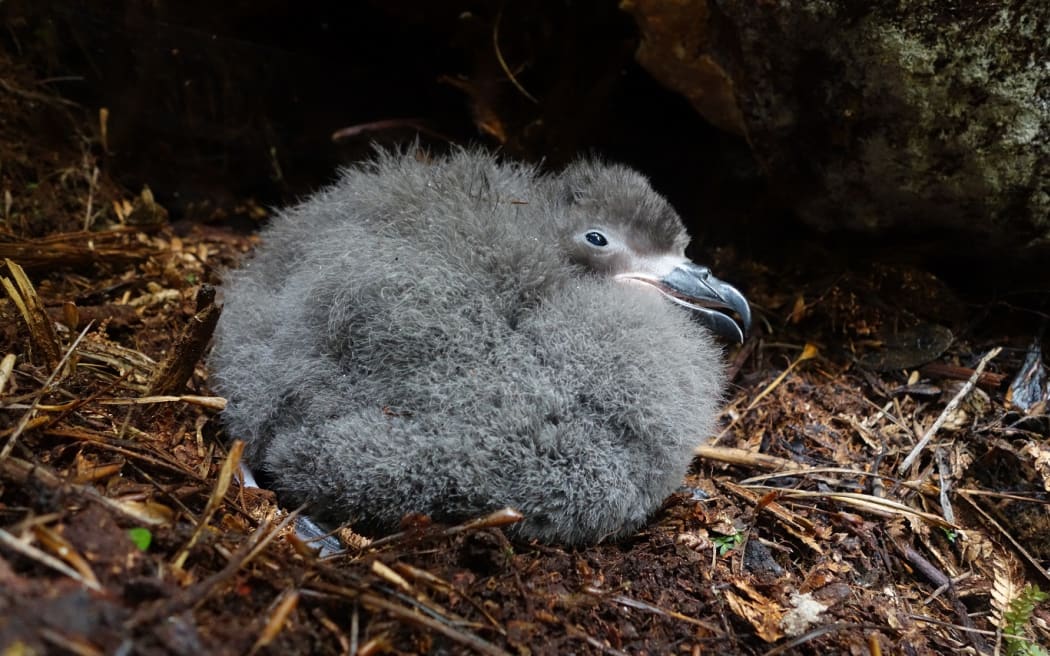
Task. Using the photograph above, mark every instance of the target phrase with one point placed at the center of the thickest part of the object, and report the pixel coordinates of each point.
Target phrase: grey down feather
(432, 336)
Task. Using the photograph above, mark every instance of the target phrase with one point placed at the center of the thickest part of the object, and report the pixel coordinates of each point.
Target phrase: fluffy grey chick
(453, 336)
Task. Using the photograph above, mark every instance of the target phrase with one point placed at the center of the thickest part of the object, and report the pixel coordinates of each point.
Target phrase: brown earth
(800, 533)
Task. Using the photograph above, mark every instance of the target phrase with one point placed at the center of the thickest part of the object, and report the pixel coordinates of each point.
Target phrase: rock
(676, 50)
(868, 117)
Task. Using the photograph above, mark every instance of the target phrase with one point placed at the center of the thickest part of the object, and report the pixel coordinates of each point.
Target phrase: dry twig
(24, 421)
(45, 559)
(41, 331)
(286, 605)
(196, 594)
(177, 368)
(964, 391)
(218, 495)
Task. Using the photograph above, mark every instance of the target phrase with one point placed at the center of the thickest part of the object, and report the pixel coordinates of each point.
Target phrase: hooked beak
(693, 286)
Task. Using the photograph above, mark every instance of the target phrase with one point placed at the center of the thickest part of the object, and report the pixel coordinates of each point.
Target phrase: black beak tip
(723, 325)
(743, 309)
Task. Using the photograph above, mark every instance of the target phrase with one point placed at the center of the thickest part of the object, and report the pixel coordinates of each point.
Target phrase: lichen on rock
(869, 117)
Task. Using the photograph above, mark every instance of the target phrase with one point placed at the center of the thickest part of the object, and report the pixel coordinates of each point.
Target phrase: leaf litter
(805, 526)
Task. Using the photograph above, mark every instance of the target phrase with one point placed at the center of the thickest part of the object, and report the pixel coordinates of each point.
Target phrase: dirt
(795, 532)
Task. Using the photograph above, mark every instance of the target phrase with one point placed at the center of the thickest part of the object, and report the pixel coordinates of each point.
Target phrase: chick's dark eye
(596, 239)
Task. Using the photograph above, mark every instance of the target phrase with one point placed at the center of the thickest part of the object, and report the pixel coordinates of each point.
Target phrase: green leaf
(727, 543)
(1016, 619)
(141, 537)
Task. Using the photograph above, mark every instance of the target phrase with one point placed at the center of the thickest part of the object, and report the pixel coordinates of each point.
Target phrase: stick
(177, 368)
(948, 410)
(24, 421)
(29, 551)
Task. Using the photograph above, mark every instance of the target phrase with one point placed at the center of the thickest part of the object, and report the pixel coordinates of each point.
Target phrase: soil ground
(124, 531)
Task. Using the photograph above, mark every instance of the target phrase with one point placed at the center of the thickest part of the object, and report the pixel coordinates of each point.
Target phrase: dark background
(210, 104)
(217, 104)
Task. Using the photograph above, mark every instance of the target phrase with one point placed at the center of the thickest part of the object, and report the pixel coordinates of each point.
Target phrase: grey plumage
(437, 337)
